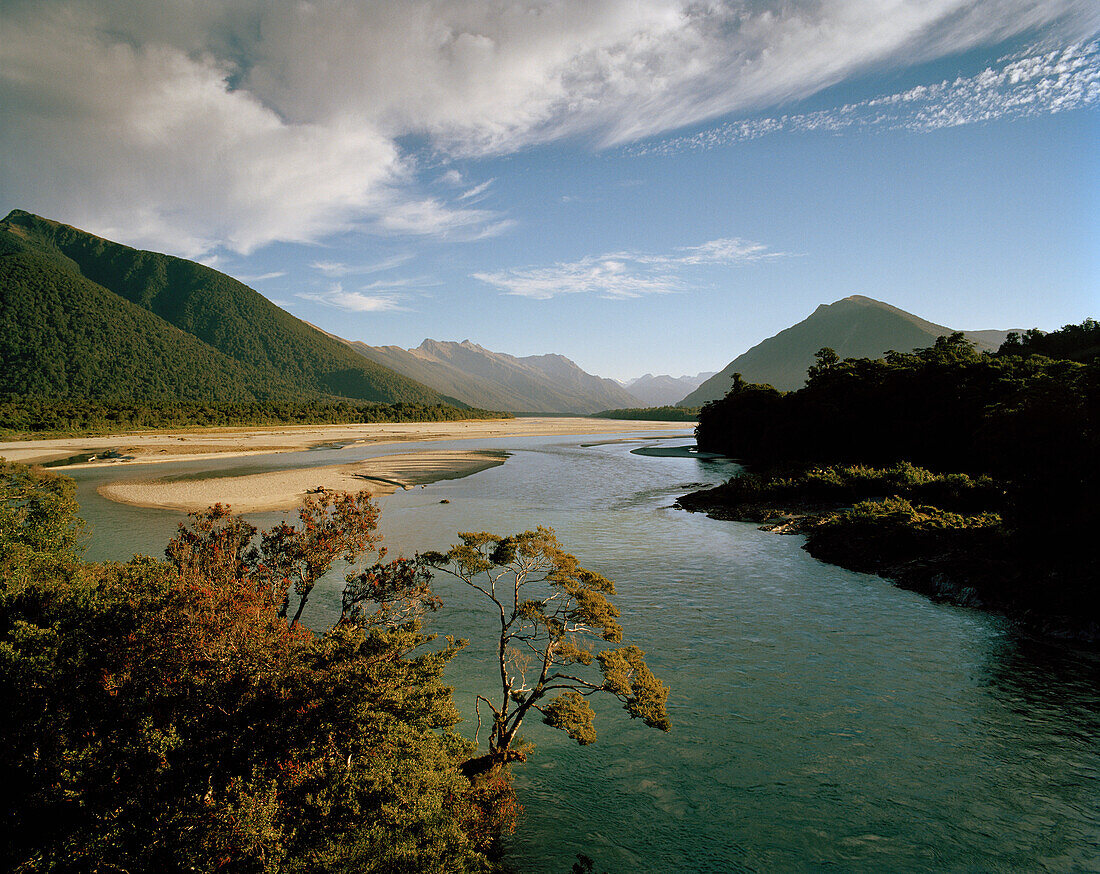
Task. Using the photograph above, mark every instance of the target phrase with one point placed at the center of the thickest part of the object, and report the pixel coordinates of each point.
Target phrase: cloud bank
(190, 126)
(624, 275)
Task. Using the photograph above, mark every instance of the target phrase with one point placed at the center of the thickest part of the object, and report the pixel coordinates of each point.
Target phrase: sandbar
(285, 489)
(189, 445)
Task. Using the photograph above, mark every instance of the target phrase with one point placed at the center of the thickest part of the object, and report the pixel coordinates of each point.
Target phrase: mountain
(494, 380)
(659, 391)
(83, 317)
(855, 327)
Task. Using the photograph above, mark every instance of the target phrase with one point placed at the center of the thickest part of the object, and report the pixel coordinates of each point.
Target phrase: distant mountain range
(855, 327)
(664, 390)
(85, 318)
(497, 381)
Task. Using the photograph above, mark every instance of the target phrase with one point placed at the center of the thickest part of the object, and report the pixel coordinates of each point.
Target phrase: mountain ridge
(854, 327)
(257, 350)
(657, 390)
(547, 383)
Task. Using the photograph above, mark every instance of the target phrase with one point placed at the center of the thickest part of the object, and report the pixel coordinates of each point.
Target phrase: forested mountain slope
(86, 317)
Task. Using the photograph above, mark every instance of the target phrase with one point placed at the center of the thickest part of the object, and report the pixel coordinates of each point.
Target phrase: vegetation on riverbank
(34, 418)
(1002, 512)
(652, 414)
(179, 715)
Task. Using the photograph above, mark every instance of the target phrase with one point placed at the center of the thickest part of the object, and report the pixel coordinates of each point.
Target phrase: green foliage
(898, 512)
(652, 414)
(41, 537)
(82, 317)
(1075, 342)
(570, 712)
(1022, 427)
(164, 717)
(552, 614)
(841, 484)
(37, 417)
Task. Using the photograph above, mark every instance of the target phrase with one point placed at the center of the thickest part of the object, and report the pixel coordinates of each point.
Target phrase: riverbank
(943, 536)
(194, 444)
(286, 489)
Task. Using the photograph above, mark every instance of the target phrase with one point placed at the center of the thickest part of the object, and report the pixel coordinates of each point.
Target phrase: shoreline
(153, 447)
(978, 575)
(286, 489)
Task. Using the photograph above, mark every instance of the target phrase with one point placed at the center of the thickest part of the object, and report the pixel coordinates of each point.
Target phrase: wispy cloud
(1036, 84)
(337, 269)
(354, 301)
(431, 217)
(625, 275)
(262, 277)
(477, 192)
(196, 126)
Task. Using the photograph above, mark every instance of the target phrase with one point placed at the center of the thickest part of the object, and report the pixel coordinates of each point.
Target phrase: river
(822, 719)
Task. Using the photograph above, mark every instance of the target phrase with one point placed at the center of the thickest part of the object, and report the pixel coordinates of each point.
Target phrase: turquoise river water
(823, 720)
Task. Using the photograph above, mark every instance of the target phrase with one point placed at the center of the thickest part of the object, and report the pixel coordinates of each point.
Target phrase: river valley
(822, 719)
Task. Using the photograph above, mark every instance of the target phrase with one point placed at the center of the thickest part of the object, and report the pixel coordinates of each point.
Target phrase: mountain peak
(854, 327)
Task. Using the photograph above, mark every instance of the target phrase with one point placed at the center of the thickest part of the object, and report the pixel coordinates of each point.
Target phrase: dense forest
(994, 503)
(652, 414)
(83, 317)
(35, 417)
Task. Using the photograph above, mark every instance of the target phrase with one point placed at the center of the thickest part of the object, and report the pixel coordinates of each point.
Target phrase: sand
(285, 489)
(162, 446)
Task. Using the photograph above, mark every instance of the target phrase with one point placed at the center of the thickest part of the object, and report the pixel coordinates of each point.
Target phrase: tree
(39, 528)
(827, 359)
(289, 559)
(167, 717)
(552, 614)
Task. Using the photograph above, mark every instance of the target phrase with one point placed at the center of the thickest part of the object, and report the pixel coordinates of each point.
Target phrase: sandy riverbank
(162, 446)
(285, 489)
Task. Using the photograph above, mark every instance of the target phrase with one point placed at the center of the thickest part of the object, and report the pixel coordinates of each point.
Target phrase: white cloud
(624, 275)
(355, 301)
(477, 192)
(1036, 84)
(189, 126)
(262, 277)
(337, 268)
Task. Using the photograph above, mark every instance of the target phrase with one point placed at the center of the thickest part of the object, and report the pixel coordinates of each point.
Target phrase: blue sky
(641, 186)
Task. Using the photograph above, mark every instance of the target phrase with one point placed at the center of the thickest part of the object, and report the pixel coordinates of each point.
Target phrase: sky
(644, 186)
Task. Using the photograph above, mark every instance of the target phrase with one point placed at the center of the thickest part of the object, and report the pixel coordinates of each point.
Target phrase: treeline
(653, 414)
(1017, 428)
(946, 407)
(1075, 342)
(37, 416)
